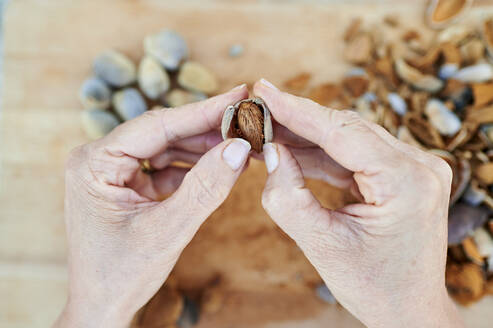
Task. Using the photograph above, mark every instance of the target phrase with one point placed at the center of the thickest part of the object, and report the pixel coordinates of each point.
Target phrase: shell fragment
(416, 78)
(475, 73)
(442, 118)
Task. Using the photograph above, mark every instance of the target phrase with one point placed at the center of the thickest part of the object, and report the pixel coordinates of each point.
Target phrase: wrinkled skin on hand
(383, 258)
(123, 241)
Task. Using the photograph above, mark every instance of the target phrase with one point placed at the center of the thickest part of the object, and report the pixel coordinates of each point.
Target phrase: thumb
(204, 187)
(285, 198)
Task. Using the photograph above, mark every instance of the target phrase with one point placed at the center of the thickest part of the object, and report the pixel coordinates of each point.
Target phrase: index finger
(343, 135)
(150, 133)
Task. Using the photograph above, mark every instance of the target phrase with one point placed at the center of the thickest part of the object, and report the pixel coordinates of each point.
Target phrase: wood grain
(49, 46)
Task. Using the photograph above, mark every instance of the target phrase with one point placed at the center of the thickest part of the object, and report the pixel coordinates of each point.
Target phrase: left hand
(123, 242)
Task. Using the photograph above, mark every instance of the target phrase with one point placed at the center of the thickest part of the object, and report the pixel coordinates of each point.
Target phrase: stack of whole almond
(119, 90)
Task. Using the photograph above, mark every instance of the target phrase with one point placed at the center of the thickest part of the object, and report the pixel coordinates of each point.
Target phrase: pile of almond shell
(436, 94)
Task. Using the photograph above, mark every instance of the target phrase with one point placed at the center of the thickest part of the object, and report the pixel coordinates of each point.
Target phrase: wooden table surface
(48, 49)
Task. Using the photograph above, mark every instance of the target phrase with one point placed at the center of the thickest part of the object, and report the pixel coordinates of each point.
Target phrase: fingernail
(271, 157)
(236, 153)
(268, 84)
(241, 86)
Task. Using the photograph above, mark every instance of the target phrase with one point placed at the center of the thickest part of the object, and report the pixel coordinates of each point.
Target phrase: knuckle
(444, 170)
(345, 114)
(270, 198)
(74, 159)
(429, 181)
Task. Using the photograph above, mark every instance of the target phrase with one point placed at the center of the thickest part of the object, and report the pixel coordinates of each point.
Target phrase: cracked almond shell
(441, 13)
(248, 119)
(417, 79)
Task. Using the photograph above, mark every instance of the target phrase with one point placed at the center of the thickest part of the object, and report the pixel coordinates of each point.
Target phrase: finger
(204, 188)
(168, 180)
(342, 134)
(285, 198)
(200, 143)
(152, 132)
(154, 186)
(438, 165)
(173, 155)
(316, 164)
(283, 136)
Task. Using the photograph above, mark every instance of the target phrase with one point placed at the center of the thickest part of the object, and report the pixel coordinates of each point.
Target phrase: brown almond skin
(251, 125)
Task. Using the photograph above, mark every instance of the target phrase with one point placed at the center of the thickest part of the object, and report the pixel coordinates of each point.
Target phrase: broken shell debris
(437, 96)
(441, 13)
(248, 119)
(120, 91)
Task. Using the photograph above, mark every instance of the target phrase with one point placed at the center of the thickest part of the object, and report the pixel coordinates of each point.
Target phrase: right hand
(384, 258)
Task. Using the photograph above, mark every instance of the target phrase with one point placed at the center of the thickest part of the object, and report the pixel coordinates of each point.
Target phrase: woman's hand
(383, 258)
(123, 241)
